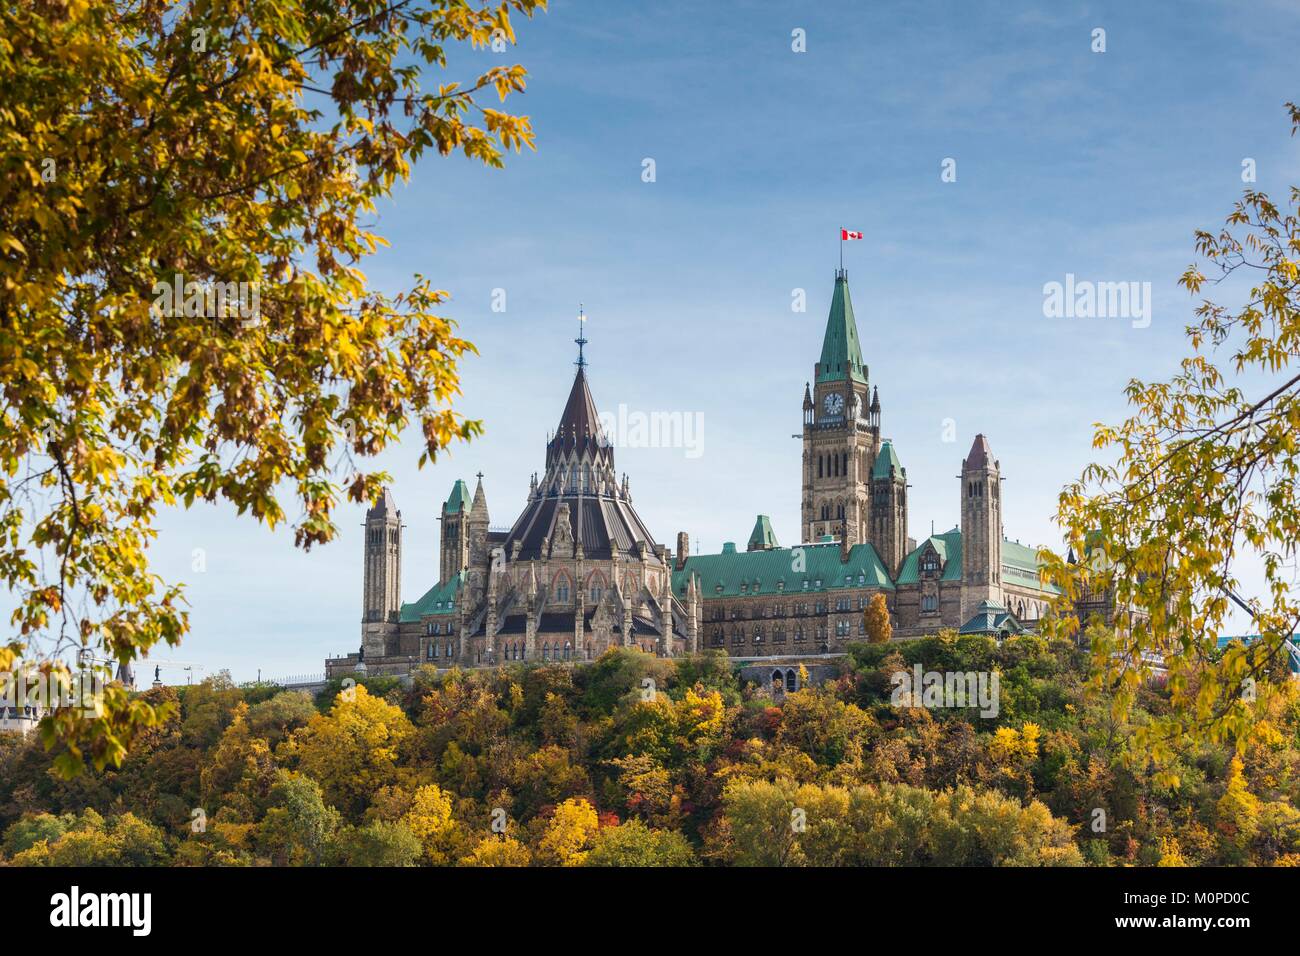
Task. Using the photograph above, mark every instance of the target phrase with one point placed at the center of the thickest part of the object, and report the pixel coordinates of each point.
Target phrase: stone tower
(889, 508)
(477, 529)
(981, 528)
(841, 429)
(382, 590)
(453, 546)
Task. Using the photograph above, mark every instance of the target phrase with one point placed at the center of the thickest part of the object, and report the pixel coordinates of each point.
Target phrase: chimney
(683, 549)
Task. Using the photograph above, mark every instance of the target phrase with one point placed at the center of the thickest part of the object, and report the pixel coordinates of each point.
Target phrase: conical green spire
(841, 353)
(458, 498)
(762, 538)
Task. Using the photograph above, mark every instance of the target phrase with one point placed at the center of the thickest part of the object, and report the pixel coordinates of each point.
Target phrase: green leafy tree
(1206, 471)
(298, 828)
(183, 316)
(635, 844)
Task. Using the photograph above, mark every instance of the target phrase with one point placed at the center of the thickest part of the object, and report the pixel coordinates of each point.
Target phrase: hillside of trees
(594, 765)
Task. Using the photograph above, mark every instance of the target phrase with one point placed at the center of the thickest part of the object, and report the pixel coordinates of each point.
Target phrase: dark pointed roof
(384, 507)
(600, 513)
(980, 456)
(579, 429)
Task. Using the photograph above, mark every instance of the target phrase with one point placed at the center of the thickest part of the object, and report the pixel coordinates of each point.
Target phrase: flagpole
(841, 248)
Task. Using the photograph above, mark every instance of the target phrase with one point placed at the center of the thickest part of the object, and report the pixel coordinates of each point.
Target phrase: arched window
(791, 681)
(546, 652)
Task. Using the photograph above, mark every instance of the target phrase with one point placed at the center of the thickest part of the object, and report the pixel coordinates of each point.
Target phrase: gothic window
(562, 592)
(595, 594)
(717, 637)
(799, 636)
(432, 651)
(819, 466)
(929, 602)
(929, 562)
(778, 637)
(546, 652)
(737, 636)
(567, 649)
(448, 651)
(758, 635)
(791, 681)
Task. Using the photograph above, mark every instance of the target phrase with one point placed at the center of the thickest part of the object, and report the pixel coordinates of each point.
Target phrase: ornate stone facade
(578, 572)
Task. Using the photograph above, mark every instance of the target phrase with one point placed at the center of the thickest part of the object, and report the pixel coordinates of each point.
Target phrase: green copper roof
(439, 599)
(948, 547)
(1020, 566)
(887, 458)
(1019, 563)
(841, 354)
(762, 536)
(773, 572)
(459, 498)
(991, 618)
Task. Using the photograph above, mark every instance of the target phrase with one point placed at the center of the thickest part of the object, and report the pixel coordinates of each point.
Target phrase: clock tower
(841, 430)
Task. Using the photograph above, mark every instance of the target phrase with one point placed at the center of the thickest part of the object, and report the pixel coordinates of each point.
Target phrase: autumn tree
(183, 315)
(876, 619)
(1205, 474)
(352, 751)
(569, 833)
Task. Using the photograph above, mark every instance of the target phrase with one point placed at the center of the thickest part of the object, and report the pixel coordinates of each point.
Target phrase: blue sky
(1068, 161)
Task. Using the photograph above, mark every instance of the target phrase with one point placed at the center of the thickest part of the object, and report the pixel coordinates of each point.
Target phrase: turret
(981, 528)
(383, 561)
(382, 576)
(889, 508)
(762, 538)
(478, 526)
(454, 539)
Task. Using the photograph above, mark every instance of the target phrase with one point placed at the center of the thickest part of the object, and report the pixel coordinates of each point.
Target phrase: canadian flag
(846, 234)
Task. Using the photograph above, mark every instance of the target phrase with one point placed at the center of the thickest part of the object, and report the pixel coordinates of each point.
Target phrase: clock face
(833, 403)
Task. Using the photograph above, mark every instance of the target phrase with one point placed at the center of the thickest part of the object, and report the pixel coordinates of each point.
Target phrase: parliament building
(578, 571)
